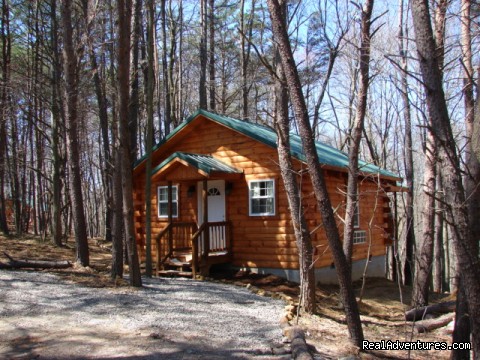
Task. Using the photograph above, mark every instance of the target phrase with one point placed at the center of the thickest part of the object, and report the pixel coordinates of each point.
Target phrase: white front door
(216, 211)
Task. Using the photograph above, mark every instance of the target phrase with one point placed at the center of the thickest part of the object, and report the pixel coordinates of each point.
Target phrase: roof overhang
(185, 166)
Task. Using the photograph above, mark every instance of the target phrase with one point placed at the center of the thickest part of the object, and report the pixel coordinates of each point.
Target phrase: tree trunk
(6, 52)
(149, 142)
(202, 86)
(316, 174)
(424, 259)
(245, 49)
(134, 102)
(117, 219)
(423, 265)
(408, 268)
(166, 85)
(302, 233)
(57, 184)
(103, 117)
(71, 83)
(124, 8)
(357, 130)
(455, 207)
(462, 329)
(211, 64)
(438, 247)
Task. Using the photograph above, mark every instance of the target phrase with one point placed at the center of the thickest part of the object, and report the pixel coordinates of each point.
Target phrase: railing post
(228, 234)
(194, 257)
(157, 263)
(170, 216)
(206, 233)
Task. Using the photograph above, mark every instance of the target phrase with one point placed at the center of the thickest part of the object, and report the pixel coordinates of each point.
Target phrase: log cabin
(218, 198)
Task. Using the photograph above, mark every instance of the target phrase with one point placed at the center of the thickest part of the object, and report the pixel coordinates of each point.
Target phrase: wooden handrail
(182, 241)
(195, 238)
(157, 240)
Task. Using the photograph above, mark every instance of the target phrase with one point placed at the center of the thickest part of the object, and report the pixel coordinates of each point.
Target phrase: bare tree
(6, 58)
(472, 178)
(124, 9)
(357, 129)
(316, 174)
(408, 153)
(424, 260)
(455, 205)
(71, 63)
(289, 176)
(166, 83)
(149, 142)
(203, 55)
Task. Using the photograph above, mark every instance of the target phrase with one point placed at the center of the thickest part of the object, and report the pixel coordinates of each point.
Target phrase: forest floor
(382, 306)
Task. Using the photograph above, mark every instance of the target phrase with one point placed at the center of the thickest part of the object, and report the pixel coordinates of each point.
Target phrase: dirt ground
(382, 306)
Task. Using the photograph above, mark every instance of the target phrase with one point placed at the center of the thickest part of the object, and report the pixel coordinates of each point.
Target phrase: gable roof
(328, 155)
(204, 163)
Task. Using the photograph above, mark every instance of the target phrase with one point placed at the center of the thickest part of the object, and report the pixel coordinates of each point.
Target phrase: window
(163, 201)
(214, 192)
(261, 197)
(359, 236)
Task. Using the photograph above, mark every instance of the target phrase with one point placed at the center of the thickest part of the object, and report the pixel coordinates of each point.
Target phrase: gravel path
(45, 317)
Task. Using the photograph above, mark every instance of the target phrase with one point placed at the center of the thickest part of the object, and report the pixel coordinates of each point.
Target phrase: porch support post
(395, 241)
(206, 231)
(170, 216)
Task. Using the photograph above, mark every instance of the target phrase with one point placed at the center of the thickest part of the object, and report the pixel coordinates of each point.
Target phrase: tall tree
(58, 163)
(211, 63)
(316, 174)
(6, 57)
(202, 86)
(149, 142)
(289, 176)
(424, 260)
(455, 205)
(357, 129)
(124, 10)
(166, 83)
(472, 178)
(134, 102)
(71, 63)
(408, 153)
(246, 29)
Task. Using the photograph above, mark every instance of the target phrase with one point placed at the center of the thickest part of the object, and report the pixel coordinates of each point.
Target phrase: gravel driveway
(45, 317)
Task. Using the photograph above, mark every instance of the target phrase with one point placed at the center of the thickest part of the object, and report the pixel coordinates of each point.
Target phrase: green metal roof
(327, 154)
(205, 163)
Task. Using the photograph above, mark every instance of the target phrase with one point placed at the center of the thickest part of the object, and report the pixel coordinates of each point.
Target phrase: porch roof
(204, 164)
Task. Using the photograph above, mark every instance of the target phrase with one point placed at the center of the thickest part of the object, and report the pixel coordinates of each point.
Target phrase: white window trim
(174, 202)
(360, 234)
(264, 197)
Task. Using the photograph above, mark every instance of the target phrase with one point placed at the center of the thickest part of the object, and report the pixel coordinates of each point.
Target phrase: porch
(192, 192)
(184, 249)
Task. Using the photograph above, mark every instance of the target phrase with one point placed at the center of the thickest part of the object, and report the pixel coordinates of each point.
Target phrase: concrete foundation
(328, 275)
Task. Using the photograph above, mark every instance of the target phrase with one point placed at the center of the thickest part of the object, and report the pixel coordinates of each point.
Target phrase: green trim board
(205, 163)
(328, 155)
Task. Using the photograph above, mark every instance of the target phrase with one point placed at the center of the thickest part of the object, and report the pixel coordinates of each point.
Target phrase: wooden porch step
(175, 273)
(178, 263)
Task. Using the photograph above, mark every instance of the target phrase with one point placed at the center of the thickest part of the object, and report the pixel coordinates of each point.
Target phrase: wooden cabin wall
(260, 241)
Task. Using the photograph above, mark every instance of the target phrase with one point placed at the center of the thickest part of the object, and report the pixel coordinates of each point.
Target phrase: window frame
(251, 198)
(361, 234)
(174, 202)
